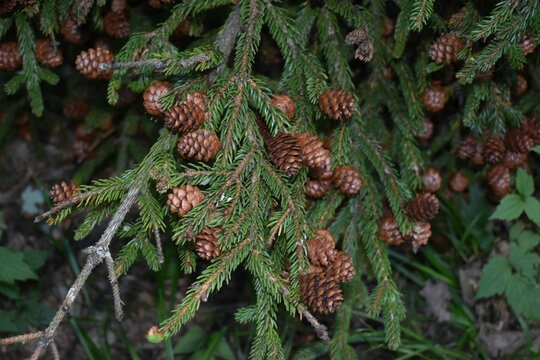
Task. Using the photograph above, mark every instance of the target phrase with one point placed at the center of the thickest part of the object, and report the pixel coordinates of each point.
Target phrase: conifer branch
(77, 198)
(159, 65)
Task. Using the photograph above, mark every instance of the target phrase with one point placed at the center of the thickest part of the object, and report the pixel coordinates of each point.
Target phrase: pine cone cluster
(184, 198)
(434, 98)
(187, 116)
(10, 58)
(337, 104)
(47, 54)
(151, 97)
(446, 49)
(206, 243)
(88, 63)
(200, 145)
(63, 192)
(320, 288)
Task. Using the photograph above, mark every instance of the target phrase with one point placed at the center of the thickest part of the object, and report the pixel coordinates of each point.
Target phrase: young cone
(206, 244)
(63, 192)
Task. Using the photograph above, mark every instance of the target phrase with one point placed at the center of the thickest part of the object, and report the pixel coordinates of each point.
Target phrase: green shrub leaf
(495, 275)
(510, 208)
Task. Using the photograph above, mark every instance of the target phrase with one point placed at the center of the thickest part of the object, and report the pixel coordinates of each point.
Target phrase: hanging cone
(10, 58)
(285, 153)
(337, 104)
(47, 54)
(317, 189)
(184, 198)
(63, 192)
(389, 231)
(88, 62)
(321, 248)
(341, 269)
(528, 45)
(431, 180)
(427, 132)
(434, 98)
(458, 182)
(200, 145)
(446, 49)
(285, 104)
(321, 294)
(498, 177)
(494, 150)
(519, 140)
(151, 97)
(420, 235)
(466, 148)
(347, 179)
(185, 117)
(206, 244)
(116, 24)
(423, 207)
(315, 154)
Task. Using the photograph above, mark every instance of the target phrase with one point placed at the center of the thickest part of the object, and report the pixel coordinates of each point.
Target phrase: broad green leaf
(35, 258)
(515, 231)
(193, 340)
(495, 275)
(510, 208)
(13, 267)
(528, 240)
(524, 183)
(532, 209)
(525, 262)
(8, 321)
(11, 291)
(536, 149)
(523, 297)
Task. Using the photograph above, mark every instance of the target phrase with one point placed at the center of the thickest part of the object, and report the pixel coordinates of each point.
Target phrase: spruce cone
(116, 24)
(478, 156)
(434, 98)
(527, 44)
(521, 86)
(317, 189)
(10, 59)
(321, 248)
(76, 109)
(321, 294)
(513, 160)
(364, 52)
(420, 235)
(389, 231)
(200, 145)
(314, 153)
(446, 49)
(466, 148)
(71, 32)
(423, 207)
(532, 128)
(498, 177)
(82, 149)
(206, 244)
(151, 97)
(458, 182)
(185, 117)
(285, 153)
(47, 55)
(519, 140)
(87, 63)
(431, 178)
(427, 132)
(286, 104)
(494, 150)
(342, 269)
(184, 198)
(63, 192)
(347, 179)
(337, 104)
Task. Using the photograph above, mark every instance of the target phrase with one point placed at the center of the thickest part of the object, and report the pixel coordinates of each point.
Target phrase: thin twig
(21, 339)
(113, 279)
(155, 63)
(159, 247)
(276, 227)
(66, 204)
(54, 350)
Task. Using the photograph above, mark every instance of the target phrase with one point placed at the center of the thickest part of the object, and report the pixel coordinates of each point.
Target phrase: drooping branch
(159, 65)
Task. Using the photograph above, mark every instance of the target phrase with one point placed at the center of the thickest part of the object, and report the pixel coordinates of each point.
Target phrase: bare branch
(155, 63)
(118, 310)
(159, 247)
(21, 339)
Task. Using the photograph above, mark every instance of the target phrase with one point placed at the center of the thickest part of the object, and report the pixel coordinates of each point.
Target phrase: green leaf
(524, 183)
(8, 321)
(13, 267)
(532, 209)
(536, 149)
(510, 208)
(495, 275)
(193, 340)
(36, 258)
(515, 231)
(11, 291)
(523, 297)
(528, 240)
(525, 262)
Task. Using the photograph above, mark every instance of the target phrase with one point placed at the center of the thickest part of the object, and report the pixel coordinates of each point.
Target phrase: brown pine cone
(76, 109)
(528, 45)
(427, 132)
(88, 62)
(347, 179)
(10, 58)
(7, 6)
(284, 103)
(521, 86)
(119, 5)
(466, 148)
(197, 98)
(83, 132)
(458, 182)
(72, 32)
(184, 198)
(317, 189)
(519, 140)
(341, 269)
(434, 98)
(321, 248)
(285, 153)
(494, 150)
(337, 104)
(116, 24)
(182, 29)
(478, 156)
(314, 153)
(46, 53)
(320, 293)
(498, 177)
(185, 117)
(420, 235)
(389, 231)
(82, 149)
(513, 160)
(63, 192)
(151, 97)
(431, 179)
(200, 145)
(423, 207)
(206, 244)
(532, 128)
(445, 49)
